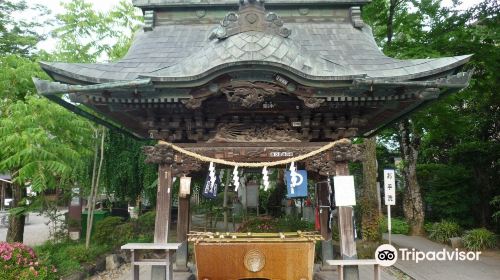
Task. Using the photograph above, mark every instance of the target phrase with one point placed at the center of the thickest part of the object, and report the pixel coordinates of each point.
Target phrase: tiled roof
(191, 3)
(317, 51)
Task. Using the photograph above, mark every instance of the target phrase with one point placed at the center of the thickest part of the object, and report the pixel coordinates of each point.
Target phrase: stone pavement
(365, 273)
(487, 268)
(36, 231)
(123, 273)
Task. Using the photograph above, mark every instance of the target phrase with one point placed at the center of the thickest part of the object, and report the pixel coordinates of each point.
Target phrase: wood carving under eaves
(163, 154)
(251, 16)
(311, 102)
(194, 102)
(249, 94)
(233, 132)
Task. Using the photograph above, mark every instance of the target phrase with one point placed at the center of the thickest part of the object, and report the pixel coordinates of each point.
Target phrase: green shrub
(268, 224)
(259, 224)
(444, 230)
(399, 226)
(18, 261)
(69, 256)
(294, 223)
(479, 239)
(106, 230)
(124, 233)
(146, 222)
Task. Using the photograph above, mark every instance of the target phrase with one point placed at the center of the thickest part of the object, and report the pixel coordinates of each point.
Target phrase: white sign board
(390, 187)
(344, 191)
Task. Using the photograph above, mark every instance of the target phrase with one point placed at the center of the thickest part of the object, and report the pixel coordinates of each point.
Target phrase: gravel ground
(123, 272)
(36, 231)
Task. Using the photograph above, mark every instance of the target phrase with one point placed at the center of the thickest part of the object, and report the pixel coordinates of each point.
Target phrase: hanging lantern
(185, 187)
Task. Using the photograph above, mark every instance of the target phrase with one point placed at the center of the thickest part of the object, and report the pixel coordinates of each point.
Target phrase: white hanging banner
(390, 187)
(345, 194)
(185, 187)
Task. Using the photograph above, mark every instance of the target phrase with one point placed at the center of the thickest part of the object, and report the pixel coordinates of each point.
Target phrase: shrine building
(249, 81)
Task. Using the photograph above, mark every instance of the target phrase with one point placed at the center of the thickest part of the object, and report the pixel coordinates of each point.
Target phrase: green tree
(86, 35)
(18, 36)
(461, 129)
(41, 145)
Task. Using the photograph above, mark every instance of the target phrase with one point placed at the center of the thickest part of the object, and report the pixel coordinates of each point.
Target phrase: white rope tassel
(293, 177)
(212, 176)
(265, 178)
(236, 178)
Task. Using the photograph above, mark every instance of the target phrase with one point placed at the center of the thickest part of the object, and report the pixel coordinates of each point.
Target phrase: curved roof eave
(428, 69)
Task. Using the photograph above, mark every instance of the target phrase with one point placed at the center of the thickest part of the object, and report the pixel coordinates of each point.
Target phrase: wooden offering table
(237, 256)
(167, 248)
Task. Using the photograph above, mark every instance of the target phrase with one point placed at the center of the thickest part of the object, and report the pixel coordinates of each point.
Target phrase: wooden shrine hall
(248, 81)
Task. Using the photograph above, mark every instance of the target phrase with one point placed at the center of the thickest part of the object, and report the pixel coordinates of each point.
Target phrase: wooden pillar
(323, 202)
(346, 230)
(182, 231)
(162, 220)
(163, 203)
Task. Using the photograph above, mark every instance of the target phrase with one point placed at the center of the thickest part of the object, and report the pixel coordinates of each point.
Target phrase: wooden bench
(341, 263)
(169, 248)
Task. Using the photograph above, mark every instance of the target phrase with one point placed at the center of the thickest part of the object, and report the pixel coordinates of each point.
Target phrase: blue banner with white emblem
(300, 187)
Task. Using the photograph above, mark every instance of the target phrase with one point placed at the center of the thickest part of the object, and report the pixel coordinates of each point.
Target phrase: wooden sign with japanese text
(390, 187)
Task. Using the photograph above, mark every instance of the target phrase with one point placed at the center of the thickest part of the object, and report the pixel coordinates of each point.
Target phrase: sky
(106, 5)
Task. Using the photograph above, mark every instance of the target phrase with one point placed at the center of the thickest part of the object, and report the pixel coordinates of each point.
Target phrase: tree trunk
(15, 232)
(224, 204)
(413, 206)
(369, 204)
(94, 190)
(390, 23)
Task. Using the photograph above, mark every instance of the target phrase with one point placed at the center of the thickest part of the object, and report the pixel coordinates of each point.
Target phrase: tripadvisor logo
(387, 255)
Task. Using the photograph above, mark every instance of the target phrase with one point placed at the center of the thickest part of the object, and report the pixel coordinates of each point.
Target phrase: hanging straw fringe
(256, 164)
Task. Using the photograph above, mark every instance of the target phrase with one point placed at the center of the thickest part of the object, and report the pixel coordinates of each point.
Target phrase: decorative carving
(303, 11)
(325, 163)
(249, 133)
(251, 16)
(249, 94)
(159, 154)
(201, 13)
(311, 102)
(347, 153)
(321, 164)
(149, 20)
(356, 19)
(185, 165)
(163, 154)
(194, 102)
(254, 260)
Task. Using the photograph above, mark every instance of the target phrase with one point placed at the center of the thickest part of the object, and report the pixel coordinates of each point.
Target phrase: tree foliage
(41, 143)
(18, 36)
(86, 35)
(460, 133)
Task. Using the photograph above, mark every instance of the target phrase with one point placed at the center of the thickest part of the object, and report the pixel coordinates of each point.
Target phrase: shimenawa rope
(255, 164)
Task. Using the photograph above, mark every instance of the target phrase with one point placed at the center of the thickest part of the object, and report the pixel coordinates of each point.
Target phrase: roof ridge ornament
(251, 16)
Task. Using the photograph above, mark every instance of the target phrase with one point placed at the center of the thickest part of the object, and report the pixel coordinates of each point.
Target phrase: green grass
(399, 226)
